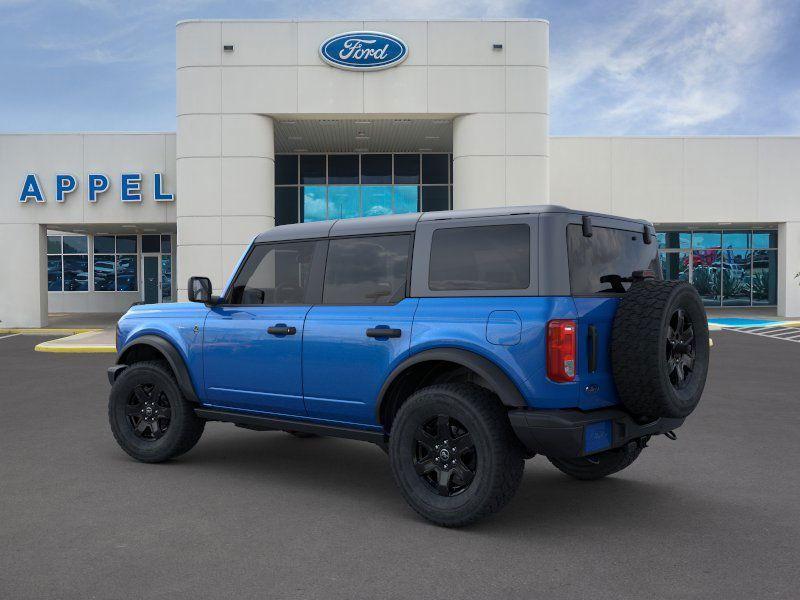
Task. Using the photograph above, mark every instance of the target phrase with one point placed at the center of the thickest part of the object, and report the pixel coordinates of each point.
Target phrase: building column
(788, 265)
(226, 185)
(24, 275)
(500, 160)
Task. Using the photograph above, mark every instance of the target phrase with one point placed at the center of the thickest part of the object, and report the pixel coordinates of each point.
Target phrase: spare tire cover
(659, 348)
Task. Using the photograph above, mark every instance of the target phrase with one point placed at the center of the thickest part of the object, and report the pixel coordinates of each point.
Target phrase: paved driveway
(714, 515)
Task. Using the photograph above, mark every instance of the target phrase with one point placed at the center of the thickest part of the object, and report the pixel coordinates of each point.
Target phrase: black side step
(351, 433)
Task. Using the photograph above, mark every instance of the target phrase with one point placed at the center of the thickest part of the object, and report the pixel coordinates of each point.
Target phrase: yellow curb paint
(45, 331)
(46, 347)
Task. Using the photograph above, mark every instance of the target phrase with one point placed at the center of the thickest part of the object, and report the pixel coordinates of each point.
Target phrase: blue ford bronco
(461, 342)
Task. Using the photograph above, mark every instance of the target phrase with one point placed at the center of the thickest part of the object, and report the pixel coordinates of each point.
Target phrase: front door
(150, 266)
(252, 342)
(360, 331)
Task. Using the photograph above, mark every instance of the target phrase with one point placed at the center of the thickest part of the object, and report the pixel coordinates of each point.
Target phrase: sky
(617, 67)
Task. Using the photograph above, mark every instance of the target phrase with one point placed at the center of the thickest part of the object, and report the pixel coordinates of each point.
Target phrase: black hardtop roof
(408, 222)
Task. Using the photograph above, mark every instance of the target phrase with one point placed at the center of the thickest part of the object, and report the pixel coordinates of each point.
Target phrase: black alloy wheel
(444, 455)
(149, 416)
(148, 411)
(680, 348)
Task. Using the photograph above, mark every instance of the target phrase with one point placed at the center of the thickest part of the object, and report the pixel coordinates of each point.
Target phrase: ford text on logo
(363, 50)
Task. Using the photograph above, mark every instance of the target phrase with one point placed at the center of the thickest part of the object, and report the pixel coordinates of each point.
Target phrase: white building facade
(282, 121)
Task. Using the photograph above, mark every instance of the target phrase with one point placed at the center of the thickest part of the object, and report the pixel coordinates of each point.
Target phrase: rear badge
(592, 389)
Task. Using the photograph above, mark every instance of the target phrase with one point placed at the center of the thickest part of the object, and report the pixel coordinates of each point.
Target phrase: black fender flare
(172, 356)
(500, 382)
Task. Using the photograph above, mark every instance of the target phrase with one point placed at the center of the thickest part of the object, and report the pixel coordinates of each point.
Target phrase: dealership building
(290, 121)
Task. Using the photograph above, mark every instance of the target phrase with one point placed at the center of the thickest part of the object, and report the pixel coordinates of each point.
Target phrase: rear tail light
(561, 343)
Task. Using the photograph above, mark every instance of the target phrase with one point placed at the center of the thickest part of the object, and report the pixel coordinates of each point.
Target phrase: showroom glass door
(157, 268)
(152, 283)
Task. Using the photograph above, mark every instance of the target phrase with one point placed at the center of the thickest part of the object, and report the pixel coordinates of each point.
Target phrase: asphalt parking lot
(715, 514)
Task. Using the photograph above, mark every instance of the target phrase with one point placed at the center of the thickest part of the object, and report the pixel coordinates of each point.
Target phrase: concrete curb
(96, 349)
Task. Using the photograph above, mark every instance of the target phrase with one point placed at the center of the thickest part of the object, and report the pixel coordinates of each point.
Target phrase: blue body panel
(465, 323)
(175, 323)
(248, 368)
(330, 371)
(343, 369)
(597, 389)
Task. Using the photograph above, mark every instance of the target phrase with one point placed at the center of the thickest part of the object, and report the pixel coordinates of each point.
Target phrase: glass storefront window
(75, 244)
(166, 244)
(76, 273)
(126, 274)
(313, 203)
(166, 277)
(736, 239)
(406, 198)
(126, 244)
(706, 266)
(54, 277)
(376, 168)
(434, 168)
(151, 243)
(674, 239)
(765, 277)
(352, 185)
(104, 273)
(286, 169)
(765, 239)
(435, 197)
(54, 244)
(312, 168)
(104, 244)
(736, 278)
(286, 206)
(406, 168)
(707, 239)
(343, 201)
(741, 273)
(675, 265)
(377, 200)
(343, 168)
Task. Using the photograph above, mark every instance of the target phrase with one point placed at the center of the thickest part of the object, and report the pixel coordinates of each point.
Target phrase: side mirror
(200, 290)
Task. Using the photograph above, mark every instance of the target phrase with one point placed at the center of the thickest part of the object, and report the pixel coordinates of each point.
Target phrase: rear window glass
(491, 257)
(366, 270)
(607, 252)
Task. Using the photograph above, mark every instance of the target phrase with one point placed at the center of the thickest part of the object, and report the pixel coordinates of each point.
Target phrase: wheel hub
(444, 455)
(680, 351)
(148, 411)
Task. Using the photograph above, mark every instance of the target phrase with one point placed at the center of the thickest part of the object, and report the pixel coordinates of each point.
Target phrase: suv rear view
(461, 342)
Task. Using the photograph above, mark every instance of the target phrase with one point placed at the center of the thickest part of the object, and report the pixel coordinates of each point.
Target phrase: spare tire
(659, 348)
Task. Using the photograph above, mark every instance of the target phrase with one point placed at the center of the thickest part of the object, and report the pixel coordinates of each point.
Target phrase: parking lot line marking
(2, 337)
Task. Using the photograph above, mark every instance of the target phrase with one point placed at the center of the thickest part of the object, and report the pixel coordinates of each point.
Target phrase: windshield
(608, 252)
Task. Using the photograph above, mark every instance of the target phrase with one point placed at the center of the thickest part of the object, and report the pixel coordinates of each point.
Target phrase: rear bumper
(571, 433)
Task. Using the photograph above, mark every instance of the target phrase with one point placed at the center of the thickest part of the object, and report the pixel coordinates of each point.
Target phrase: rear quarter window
(607, 252)
(490, 257)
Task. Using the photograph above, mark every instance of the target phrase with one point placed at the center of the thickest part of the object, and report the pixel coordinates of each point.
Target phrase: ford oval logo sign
(363, 50)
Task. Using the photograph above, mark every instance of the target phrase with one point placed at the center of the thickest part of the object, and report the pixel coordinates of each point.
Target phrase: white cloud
(669, 69)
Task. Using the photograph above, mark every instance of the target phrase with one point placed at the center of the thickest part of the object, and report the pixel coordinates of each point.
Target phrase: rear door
(612, 249)
(362, 328)
(253, 341)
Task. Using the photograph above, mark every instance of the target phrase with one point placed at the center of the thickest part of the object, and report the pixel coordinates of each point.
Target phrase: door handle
(592, 348)
(281, 329)
(383, 332)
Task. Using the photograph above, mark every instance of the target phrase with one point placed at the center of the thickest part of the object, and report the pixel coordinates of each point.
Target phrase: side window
(366, 270)
(274, 274)
(490, 257)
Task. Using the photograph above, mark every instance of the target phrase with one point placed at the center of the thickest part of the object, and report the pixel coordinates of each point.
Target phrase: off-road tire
(598, 465)
(184, 427)
(641, 351)
(496, 456)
